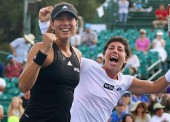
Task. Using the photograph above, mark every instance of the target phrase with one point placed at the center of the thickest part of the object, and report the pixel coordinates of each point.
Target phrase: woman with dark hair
(51, 72)
(128, 118)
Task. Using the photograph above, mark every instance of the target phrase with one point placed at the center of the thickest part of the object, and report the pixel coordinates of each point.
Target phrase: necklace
(64, 58)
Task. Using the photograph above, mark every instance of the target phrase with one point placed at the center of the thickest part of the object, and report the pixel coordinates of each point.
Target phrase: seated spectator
(2, 85)
(13, 68)
(21, 46)
(142, 43)
(139, 112)
(160, 115)
(15, 107)
(161, 98)
(1, 112)
(100, 58)
(126, 99)
(161, 17)
(128, 118)
(89, 37)
(118, 114)
(158, 46)
(133, 63)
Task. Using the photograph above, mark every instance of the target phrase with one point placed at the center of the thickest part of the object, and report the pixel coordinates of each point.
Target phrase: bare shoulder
(78, 53)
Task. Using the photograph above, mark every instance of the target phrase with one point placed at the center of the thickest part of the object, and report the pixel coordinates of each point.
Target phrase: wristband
(39, 58)
(167, 76)
(43, 26)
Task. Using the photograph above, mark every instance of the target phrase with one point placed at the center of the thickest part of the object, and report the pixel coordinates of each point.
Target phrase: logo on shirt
(69, 64)
(76, 69)
(108, 86)
(64, 7)
(119, 89)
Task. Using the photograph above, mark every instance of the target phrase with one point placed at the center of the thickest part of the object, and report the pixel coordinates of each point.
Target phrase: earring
(52, 31)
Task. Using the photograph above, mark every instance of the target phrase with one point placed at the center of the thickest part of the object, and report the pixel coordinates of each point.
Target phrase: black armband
(39, 58)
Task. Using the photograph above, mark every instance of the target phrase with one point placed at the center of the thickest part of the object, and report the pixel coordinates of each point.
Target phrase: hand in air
(48, 40)
(45, 13)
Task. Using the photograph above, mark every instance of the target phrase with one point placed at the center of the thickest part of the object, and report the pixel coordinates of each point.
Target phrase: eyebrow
(118, 46)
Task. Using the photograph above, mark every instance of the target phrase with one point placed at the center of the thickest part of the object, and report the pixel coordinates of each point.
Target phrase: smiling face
(116, 53)
(64, 25)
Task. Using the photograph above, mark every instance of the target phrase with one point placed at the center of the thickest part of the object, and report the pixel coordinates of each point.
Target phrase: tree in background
(12, 11)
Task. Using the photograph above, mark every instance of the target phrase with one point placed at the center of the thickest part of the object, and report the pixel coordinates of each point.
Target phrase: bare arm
(31, 70)
(149, 87)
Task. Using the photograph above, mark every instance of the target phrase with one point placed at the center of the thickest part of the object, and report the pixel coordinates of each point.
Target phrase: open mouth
(113, 59)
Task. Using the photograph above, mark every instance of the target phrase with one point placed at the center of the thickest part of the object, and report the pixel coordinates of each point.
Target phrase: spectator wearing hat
(142, 43)
(100, 58)
(89, 37)
(13, 68)
(118, 113)
(139, 112)
(128, 104)
(158, 46)
(161, 98)
(160, 115)
(21, 46)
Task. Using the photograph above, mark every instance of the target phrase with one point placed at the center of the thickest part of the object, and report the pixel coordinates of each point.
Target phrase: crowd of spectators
(142, 111)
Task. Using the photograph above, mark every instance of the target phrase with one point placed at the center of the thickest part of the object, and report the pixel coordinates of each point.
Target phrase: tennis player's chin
(113, 63)
(66, 37)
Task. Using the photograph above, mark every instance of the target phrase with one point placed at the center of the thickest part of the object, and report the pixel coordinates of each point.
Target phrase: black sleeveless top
(52, 94)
